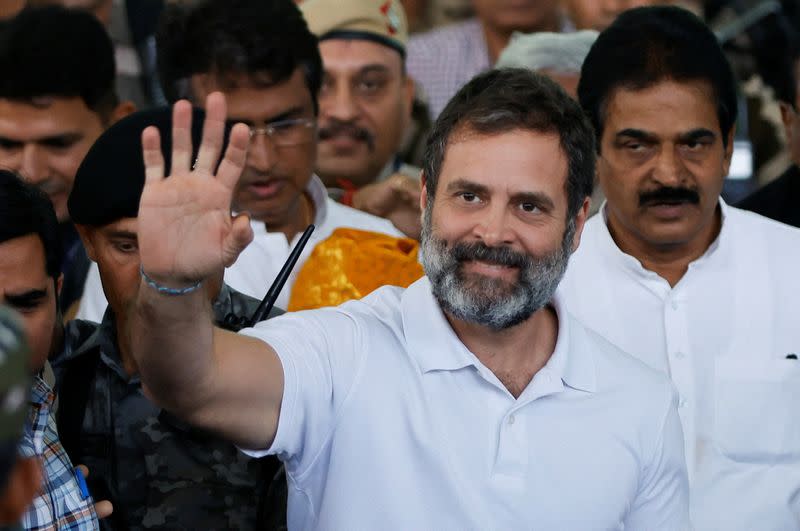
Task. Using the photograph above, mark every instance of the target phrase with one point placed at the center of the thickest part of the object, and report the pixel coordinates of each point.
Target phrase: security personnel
(157, 471)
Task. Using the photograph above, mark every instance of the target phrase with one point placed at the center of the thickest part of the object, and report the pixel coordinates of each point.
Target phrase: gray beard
(491, 302)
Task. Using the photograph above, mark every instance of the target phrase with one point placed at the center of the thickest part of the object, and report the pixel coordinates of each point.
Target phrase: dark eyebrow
(375, 68)
(121, 234)
(294, 112)
(637, 134)
(463, 185)
(697, 134)
(26, 298)
(537, 198)
(64, 139)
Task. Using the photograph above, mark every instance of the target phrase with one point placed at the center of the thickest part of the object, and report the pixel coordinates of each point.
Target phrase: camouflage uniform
(158, 472)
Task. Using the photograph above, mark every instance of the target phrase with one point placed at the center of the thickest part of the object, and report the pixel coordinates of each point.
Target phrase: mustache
(669, 194)
(337, 128)
(504, 256)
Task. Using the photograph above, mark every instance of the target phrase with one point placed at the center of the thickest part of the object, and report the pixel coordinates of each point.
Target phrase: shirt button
(674, 304)
(682, 403)
(511, 420)
(680, 355)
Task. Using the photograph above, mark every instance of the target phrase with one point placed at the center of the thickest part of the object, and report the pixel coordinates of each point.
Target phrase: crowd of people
(332, 264)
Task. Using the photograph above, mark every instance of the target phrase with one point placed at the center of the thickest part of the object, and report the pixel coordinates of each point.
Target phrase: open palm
(186, 230)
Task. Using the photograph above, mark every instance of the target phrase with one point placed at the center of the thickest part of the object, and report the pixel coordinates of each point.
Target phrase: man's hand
(186, 231)
(396, 199)
(103, 508)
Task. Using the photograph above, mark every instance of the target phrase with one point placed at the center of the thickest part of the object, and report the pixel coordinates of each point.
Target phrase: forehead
(665, 109)
(22, 264)
(251, 101)
(21, 120)
(349, 56)
(514, 161)
(125, 225)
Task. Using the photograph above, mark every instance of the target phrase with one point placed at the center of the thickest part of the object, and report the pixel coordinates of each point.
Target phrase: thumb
(240, 237)
(103, 509)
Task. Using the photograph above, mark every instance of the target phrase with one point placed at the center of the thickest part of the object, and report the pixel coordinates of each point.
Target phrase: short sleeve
(321, 353)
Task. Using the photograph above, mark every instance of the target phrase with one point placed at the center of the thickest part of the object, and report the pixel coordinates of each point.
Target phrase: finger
(153, 158)
(235, 156)
(84, 470)
(103, 509)
(181, 137)
(213, 131)
(240, 237)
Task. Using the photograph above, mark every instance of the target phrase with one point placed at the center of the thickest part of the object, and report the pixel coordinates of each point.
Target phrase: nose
(261, 155)
(339, 103)
(669, 169)
(494, 228)
(32, 164)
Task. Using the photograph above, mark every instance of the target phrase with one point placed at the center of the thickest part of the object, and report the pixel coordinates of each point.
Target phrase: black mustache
(344, 128)
(504, 256)
(669, 195)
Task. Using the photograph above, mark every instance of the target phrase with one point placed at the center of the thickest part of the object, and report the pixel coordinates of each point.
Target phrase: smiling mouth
(490, 269)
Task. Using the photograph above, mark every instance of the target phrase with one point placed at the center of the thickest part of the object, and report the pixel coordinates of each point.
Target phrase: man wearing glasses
(262, 56)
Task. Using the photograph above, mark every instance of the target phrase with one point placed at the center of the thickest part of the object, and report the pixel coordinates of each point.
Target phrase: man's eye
(529, 207)
(469, 197)
(126, 247)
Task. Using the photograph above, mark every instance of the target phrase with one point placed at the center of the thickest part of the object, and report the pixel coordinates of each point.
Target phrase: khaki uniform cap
(381, 21)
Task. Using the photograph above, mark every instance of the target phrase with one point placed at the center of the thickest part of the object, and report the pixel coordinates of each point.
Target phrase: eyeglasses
(287, 132)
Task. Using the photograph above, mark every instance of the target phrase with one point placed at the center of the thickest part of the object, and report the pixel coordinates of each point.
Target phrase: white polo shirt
(722, 334)
(259, 264)
(389, 422)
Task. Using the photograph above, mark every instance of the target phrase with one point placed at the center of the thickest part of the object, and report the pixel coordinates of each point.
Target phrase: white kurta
(723, 334)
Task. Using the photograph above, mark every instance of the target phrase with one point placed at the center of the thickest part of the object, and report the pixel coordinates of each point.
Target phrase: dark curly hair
(266, 40)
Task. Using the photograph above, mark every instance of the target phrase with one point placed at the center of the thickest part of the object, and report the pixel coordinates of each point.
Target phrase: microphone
(277, 285)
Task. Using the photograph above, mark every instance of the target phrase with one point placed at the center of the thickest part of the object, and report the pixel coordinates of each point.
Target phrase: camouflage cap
(15, 387)
(381, 21)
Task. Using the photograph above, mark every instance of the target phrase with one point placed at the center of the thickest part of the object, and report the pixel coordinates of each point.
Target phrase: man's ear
(580, 221)
(122, 110)
(88, 243)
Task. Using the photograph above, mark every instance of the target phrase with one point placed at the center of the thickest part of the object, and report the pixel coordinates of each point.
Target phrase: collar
(719, 247)
(319, 197)
(433, 343)
(41, 394)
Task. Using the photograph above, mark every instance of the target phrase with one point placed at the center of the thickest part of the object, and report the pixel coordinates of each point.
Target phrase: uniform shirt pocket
(757, 409)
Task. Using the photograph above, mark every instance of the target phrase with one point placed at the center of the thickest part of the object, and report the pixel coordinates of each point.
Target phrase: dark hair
(266, 40)
(52, 51)
(647, 45)
(510, 99)
(25, 210)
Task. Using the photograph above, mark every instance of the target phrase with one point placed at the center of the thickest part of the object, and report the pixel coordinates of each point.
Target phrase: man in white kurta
(723, 334)
(701, 291)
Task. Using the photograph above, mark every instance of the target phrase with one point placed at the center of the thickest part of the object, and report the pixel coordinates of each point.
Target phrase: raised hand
(186, 230)
(396, 199)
